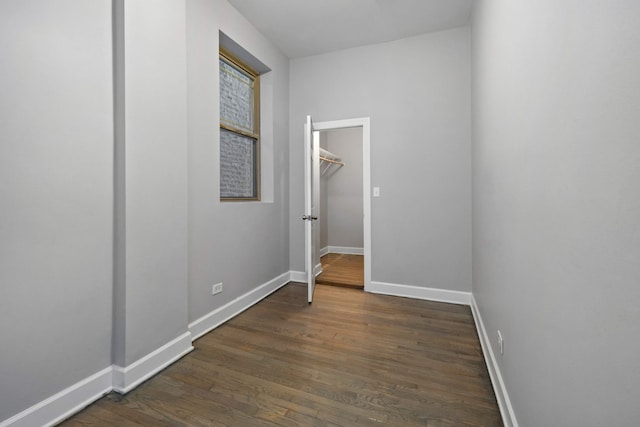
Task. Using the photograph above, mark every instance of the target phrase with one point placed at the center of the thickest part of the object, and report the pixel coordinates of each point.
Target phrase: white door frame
(364, 123)
(311, 202)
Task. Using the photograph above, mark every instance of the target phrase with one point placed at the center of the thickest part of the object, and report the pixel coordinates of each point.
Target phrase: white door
(311, 199)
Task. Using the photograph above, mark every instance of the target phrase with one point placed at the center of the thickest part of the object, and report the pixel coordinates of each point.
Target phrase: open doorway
(341, 210)
(312, 180)
(312, 193)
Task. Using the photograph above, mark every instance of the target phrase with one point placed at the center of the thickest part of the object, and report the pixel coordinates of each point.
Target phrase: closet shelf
(328, 159)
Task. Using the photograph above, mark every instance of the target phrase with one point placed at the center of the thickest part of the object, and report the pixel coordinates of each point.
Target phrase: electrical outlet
(216, 289)
(501, 342)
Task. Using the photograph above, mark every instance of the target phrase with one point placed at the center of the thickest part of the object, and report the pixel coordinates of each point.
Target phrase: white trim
(366, 187)
(65, 403)
(504, 403)
(324, 251)
(418, 292)
(298, 276)
(317, 270)
(129, 377)
(365, 124)
(346, 250)
(220, 315)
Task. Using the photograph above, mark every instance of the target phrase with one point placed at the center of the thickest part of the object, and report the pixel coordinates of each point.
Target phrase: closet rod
(324, 159)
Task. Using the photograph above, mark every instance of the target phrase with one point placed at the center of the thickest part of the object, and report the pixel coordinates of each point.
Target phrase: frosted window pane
(238, 171)
(236, 98)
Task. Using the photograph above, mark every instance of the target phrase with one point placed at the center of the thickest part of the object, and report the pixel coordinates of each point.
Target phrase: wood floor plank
(342, 270)
(349, 359)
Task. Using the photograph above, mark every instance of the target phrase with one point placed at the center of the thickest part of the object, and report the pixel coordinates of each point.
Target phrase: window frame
(235, 62)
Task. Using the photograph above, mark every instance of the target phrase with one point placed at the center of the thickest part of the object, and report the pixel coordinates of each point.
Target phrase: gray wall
(60, 185)
(322, 214)
(344, 189)
(556, 205)
(151, 198)
(56, 197)
(417, 93)
(242, 244)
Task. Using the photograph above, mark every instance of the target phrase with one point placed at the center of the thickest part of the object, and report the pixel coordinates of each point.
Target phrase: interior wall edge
(418, 292)
(299, 277)
(126, 378)
(499, 387)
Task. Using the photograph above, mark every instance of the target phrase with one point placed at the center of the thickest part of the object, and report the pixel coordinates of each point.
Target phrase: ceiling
(310, 27)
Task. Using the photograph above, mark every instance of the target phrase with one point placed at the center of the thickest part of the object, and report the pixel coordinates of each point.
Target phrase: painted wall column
(151, 221)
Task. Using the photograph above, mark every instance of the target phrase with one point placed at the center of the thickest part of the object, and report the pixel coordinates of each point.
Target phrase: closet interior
(329, 160)
(341, 212)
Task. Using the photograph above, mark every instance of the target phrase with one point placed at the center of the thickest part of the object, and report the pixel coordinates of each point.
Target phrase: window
(239, 130)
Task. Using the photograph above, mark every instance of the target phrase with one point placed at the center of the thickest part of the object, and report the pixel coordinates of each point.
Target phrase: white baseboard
(129, 377)
(324, 251)
(123, 379)
(64, 403)
(298, 276)
(220, 315)
(345, 250)
(301, 276)
(418, 292)
(504, 403)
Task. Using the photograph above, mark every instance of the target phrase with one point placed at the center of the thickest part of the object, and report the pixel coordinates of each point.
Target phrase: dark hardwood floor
(342, 270)
(350, 358)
